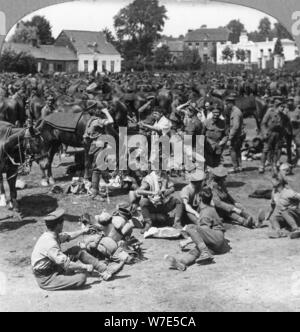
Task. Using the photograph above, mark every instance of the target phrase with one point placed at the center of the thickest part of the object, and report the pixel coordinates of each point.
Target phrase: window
(197, 44)
(104, 65)
(59, 68)
(86, 66)
(112, 66)
(205, 44)
(95, 66)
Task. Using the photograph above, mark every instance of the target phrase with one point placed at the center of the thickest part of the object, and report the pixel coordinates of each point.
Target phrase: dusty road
(258, 275)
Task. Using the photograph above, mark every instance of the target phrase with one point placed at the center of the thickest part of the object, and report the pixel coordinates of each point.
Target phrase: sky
(183, 15)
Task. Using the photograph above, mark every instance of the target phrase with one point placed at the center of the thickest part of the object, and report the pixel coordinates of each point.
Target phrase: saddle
(65, 121)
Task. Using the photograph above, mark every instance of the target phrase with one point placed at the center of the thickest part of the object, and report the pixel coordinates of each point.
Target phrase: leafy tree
(241, 55)
(162, 55)
(191, 59)
(227, 54)
(265, 28)
(109, 36)
(278, 49)
(236, 28)
(140, 24)
(24, 34)
(21, 63)
(44, 29)
(281, 32)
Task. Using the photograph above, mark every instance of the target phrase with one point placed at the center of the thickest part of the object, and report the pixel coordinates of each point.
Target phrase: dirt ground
(257, 275)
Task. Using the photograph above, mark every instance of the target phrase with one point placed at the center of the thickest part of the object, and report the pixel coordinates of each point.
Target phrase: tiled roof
(46, 52)
(83, 41)
(220, 34)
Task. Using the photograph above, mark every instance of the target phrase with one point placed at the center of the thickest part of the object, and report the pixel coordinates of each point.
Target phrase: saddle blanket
(66, 121)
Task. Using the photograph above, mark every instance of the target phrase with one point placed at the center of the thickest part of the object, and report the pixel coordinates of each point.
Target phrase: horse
(17, 147)
(12, 110)
(34, 110)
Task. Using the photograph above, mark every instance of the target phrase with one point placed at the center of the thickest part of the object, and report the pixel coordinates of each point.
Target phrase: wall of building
(86, 62)
(206, 49)
(46, 66)
(259, 53)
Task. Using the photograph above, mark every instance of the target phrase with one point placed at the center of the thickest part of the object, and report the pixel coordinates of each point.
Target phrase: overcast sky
(183, 15)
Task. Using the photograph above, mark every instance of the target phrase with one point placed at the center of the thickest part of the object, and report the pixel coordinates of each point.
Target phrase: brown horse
(12, 110)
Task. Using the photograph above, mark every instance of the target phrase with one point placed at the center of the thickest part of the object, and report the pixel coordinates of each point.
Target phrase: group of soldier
(201, 207)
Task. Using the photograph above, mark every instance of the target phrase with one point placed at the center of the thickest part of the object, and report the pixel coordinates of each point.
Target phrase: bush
(21, 63)
(293, 66)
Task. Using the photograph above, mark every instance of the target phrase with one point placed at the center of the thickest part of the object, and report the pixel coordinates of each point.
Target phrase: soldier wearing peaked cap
(207, 235)
(236, 133)
(225, 204)
(190, 197)
(57, 270)
(215, 138)
(274, 130)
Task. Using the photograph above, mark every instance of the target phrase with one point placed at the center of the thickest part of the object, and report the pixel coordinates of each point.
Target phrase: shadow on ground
(12, 225)
(37, 205)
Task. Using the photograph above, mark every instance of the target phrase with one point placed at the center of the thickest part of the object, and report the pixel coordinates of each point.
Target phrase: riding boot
(263, 163)
(205, 255)
(95, 183)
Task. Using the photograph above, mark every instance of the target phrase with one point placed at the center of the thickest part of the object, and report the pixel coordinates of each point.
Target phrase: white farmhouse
(260, 53)
(94, 52)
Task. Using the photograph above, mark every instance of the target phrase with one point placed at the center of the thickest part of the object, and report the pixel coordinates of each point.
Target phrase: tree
(278, 49)
(264, 28)
(140, 23)
(109, 36)
(241, 55)
(281, 32)
(227, 54)
(24, 34)
(236, 28)
(162, 56)
(21, 63)
(191, 59)
(44, 29)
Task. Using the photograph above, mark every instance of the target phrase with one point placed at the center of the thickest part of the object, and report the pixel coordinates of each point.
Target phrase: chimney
(34, 42)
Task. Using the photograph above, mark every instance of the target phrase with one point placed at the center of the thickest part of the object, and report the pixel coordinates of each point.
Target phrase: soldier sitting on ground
(225, 204)
(208, 236)
(286, 211)
(57, 270)
(156, 200)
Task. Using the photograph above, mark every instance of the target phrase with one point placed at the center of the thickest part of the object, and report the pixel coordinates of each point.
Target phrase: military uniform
(215, 133)
(207, 235)
(156, 209)
(53, 268)
(225, 204)
(236, 137)
(273, 134)
(294, 118)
